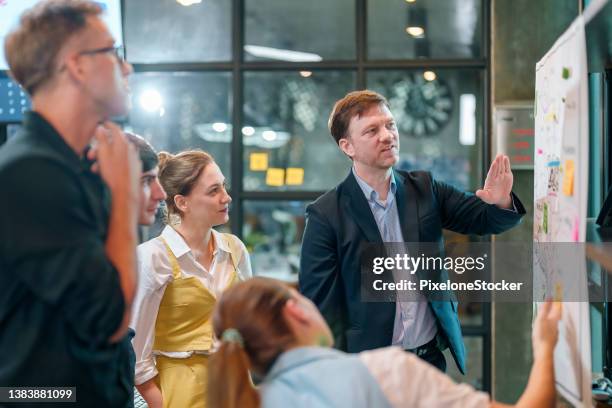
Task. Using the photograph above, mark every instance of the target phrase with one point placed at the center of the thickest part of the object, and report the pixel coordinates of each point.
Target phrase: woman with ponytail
(273, 332)
(182, 274)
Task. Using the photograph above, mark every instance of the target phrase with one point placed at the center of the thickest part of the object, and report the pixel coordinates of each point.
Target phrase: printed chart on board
(560, 200)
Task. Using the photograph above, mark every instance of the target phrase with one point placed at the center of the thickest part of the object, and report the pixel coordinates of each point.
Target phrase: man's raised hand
(498, 184)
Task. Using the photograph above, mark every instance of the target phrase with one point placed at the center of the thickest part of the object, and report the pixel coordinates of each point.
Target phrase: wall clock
(421, 108)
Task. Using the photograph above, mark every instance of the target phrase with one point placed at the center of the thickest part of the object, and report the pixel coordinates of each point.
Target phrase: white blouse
(155, 272)
(408, 381)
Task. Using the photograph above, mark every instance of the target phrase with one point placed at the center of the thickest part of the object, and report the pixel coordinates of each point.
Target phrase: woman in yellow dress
(181, 274)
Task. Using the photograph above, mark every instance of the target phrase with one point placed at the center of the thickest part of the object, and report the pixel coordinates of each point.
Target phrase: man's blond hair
(31, 49)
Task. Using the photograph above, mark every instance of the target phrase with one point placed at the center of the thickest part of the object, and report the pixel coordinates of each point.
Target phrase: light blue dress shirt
(415, 323)
(309, 377)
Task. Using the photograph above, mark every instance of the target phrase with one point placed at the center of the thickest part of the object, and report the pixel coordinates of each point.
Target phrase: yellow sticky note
(295, 176)
(275, 177)
(558, 297)
(258, 161)
(550, 117)
(568, 178)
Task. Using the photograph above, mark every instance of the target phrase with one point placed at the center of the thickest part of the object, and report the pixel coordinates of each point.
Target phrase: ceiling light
(429, 75)
(269, 135)
(415, 31)
(219, 127)
(217, 132)
(306, 74)
(248, 131)
(416, 23)
(151, 100)
(188, 3)
(280, 54)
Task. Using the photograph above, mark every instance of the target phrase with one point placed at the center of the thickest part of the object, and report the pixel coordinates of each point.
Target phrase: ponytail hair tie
(232, 336)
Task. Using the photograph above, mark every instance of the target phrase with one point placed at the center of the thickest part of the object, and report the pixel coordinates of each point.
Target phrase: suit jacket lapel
(356, 205)
(407, 208)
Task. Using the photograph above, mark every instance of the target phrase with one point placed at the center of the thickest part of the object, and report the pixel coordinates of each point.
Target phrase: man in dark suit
(377, 204)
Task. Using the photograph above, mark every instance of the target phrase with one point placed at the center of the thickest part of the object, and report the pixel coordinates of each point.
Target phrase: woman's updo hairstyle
(179, 173)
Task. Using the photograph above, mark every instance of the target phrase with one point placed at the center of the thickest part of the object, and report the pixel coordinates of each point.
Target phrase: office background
(253, 82)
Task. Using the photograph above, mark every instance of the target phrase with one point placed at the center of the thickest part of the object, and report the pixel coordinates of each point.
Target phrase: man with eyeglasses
(67, 229)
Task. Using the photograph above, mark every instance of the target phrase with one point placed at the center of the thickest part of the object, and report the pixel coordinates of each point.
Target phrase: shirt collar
(298, 357)
(220, 242)
(175, 241)
(369, 192)
(179, 247)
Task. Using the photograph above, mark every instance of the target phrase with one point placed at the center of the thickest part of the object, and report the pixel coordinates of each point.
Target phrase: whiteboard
(560, 200)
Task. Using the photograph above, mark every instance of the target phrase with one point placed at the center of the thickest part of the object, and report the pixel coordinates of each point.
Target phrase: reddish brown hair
(353, 104)
(255, 309)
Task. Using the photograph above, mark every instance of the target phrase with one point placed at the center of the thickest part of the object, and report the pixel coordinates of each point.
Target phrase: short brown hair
(31, 49)
(179, 173)
(353, 104)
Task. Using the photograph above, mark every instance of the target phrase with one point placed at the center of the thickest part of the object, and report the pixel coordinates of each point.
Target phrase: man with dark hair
(378, 204)
(151, 191)
(67, 234)
(150, 196)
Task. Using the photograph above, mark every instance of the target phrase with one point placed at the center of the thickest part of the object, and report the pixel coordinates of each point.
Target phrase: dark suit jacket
(340, 223)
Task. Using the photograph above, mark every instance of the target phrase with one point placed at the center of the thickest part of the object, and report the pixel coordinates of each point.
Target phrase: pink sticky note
(540, 151)
(576, 231)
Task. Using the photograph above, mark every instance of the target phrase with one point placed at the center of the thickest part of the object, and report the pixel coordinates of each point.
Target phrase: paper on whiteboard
(560, 199)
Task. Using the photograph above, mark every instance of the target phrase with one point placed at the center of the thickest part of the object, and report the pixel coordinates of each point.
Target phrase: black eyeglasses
(118, 51)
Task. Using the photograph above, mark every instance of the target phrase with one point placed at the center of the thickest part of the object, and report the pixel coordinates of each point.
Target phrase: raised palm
(498, 184)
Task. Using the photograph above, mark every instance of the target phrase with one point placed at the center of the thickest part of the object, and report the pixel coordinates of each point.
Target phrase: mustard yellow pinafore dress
(184, 323)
